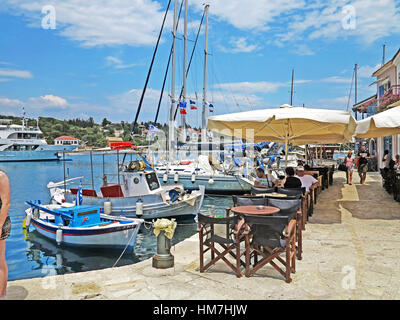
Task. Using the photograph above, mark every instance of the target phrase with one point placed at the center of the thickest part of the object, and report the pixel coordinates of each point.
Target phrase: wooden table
(254, 210)
(271, 195)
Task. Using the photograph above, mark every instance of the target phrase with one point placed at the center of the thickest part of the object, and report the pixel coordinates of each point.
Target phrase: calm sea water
(30, 255)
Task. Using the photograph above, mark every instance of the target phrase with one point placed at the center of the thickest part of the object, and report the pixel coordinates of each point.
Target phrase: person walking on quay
(386, 159)
(5, 229)
(362, 157)
(349, 161)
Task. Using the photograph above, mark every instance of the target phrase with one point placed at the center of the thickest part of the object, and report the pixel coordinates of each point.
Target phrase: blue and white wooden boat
(82, 225)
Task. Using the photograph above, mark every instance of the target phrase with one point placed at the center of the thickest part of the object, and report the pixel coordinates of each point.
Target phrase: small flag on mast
(182, 107)
(79, 198)
(211, 107)
(193, 105)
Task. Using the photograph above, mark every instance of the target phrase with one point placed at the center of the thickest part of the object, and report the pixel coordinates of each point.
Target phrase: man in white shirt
(307, 181)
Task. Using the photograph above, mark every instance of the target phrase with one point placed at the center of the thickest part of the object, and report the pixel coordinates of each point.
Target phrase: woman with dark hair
(291, 181)
(349, 161)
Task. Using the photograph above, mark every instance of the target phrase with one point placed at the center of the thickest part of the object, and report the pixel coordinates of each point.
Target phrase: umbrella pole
(286, 151)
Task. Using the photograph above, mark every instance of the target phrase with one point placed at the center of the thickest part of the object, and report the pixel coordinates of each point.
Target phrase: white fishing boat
(82, 225)
(140, 194)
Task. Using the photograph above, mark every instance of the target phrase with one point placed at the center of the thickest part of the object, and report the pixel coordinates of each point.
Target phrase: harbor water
(30, 255)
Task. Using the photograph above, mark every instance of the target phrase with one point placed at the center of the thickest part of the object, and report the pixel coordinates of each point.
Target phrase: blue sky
(95, 61)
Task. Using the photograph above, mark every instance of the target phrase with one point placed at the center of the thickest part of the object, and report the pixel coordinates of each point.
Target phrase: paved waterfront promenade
(351, 250)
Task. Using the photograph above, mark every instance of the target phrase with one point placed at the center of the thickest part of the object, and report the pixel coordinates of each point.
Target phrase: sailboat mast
(291, 91)
(171, 131)
(184, 67)
(204, 111)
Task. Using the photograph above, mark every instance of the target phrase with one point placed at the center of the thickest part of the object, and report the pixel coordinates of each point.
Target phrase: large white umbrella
(382, 124)
(288, 124)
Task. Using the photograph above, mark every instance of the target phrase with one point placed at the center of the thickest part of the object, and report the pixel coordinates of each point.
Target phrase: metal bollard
(163, 259)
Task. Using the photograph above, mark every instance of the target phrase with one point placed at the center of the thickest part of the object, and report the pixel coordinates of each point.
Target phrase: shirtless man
(5, 229)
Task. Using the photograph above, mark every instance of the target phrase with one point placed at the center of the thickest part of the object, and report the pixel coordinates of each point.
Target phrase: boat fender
(185, 162)
(211, 181)
(139, 207)
(193, 177)
(165, 177)
(107, 207)
(59, 235)
(176, 177)
(28, 220)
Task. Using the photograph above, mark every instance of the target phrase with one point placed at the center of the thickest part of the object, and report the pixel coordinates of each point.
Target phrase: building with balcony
(387, 96)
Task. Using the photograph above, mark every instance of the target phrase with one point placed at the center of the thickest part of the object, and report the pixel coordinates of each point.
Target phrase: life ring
(185, 162)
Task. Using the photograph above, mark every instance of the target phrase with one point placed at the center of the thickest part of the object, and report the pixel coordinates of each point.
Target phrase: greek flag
(79, 198)
(153, 128)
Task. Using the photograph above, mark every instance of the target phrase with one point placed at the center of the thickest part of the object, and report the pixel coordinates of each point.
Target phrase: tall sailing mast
(204, 111)
(171, 129)
(184, 68)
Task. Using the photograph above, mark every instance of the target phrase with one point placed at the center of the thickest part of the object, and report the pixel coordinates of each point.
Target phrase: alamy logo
(349, 280)
(49, 20)
(349, 21)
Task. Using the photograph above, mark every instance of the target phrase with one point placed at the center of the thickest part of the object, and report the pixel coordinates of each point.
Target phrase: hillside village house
(387, 96)
(66, 140)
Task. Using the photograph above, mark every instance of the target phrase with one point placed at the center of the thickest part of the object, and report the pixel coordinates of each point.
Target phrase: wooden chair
(248, 201)
(258, 190)
(264, 240)
(307, 201)
(229, 242)
(291, 208)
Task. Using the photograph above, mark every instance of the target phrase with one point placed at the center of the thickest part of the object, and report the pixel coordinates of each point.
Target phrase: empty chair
(307, 197)
(257, 190)
(229, 241)
(291, 208)
(269, 237)
(292, 191)
(249, 201)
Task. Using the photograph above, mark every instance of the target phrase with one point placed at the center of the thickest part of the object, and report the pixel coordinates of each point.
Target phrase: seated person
(291, 180)
(307, 181)
(264, 180)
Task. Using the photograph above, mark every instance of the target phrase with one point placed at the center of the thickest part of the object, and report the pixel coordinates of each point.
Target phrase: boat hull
(223, 185)
(116, 235)
(42, 153)
(153, 206)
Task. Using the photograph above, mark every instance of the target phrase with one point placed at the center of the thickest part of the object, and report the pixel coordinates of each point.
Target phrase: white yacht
(22, 143)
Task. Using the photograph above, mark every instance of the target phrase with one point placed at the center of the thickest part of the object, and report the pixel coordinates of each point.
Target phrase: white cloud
(99, 22)
(239, 44)
(250, 14)
(118, 63)
(337, 79)
(48, 100)
(374, 19)
(6, 102)
(367, 71)
(15, 73)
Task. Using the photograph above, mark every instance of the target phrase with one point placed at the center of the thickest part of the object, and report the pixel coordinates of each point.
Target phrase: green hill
(89, 132)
